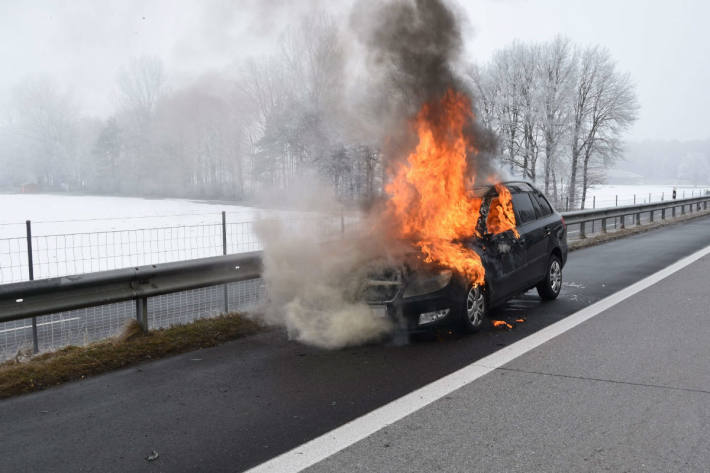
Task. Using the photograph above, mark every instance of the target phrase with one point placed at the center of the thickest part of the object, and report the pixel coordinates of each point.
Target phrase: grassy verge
(600, 238)
(131, 347)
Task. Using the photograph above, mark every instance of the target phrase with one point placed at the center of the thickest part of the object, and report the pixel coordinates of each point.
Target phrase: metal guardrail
(583, 217)
(32, 298)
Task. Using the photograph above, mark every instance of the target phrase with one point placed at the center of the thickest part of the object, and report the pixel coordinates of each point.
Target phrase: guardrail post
(706, 204)
(634, 199)
(581, 230)
(567, 204)
(604, 225)
(616, 203)
(224, 252)
(638, 219)
(623, 221)
(682, 208)
(663, 195)
(649, 197)
(30, 266)
(663, 214)
(673, 211)
(142, 312)
(594, 202)
(651, 215)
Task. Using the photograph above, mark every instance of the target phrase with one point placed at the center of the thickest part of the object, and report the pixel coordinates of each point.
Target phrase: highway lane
(234, 406)
(628, 390)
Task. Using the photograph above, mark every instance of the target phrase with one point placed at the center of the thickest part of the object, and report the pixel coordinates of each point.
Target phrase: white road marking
(24, 327)
(328, 444)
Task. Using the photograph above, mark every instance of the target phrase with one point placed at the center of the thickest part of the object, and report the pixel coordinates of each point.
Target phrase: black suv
(421, 297)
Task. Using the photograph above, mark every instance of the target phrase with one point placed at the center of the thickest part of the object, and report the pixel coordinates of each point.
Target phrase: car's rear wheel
(475, 308)
(549, 288)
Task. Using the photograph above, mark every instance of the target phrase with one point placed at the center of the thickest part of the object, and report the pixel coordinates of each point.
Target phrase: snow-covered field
(606, 195)
(80, 234)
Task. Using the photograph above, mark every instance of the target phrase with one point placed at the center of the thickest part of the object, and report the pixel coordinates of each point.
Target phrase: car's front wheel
(549, 288)
(475, 309)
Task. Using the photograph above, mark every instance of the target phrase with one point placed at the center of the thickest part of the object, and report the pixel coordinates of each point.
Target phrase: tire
(550, 287)
(473, 309)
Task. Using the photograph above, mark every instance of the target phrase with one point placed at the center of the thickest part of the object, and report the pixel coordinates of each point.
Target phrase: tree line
(559, 111)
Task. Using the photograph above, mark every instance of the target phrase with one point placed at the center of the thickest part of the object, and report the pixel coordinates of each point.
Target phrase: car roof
(513, 186)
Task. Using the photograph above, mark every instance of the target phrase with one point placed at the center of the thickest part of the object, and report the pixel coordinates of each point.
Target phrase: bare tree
(605, 106)
(141, 84)
(555, 80)
(45, 127)
(505, 77)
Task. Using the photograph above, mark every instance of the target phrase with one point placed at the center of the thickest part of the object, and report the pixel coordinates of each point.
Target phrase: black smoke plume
(413, 48)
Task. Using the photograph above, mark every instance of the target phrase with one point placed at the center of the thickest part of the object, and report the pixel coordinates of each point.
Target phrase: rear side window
(543, 204)
(523, 206)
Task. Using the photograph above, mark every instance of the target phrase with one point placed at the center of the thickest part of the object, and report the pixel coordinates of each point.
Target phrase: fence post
(30, 266)
(224, 252)
(142, 312)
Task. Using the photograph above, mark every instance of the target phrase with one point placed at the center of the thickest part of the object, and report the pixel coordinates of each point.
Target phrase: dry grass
(131, 347)
(604, 237)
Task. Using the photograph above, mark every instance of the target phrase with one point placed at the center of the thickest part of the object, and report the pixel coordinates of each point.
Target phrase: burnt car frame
(422, 297)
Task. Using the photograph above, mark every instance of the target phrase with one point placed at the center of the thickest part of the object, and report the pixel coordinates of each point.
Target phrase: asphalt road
(234, 406)
(628, 390)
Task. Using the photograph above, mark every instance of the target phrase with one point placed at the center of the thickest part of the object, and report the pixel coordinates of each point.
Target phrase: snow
(606, 194)
(80, 234)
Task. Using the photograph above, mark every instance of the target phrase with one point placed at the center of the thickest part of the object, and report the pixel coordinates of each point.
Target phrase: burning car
(516, 256)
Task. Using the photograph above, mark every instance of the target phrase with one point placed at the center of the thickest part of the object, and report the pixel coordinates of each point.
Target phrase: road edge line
(332, 442)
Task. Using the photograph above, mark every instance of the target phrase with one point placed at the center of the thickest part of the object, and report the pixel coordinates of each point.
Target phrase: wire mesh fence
(79, 253)
(608, 200)
(84, 326)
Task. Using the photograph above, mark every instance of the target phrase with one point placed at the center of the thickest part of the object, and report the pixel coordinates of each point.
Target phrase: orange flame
(501, 323)
(501, 217)
(431, 201)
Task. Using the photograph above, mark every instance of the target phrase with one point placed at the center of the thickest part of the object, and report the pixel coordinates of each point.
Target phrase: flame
(431, 200)
(501, 323)
(501, 217)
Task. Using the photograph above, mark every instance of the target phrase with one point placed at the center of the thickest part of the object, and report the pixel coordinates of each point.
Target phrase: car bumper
(407, 312)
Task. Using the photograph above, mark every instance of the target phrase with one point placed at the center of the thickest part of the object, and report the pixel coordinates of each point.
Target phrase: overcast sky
(82, 43)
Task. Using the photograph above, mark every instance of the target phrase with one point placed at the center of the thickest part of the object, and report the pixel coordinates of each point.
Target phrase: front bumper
(406, 312)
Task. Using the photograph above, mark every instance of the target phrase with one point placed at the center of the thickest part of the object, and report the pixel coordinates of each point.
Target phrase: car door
(503, 255)
(539, 245)
(532, 240)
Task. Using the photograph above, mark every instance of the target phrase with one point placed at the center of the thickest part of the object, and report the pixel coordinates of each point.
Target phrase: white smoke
(314, 279)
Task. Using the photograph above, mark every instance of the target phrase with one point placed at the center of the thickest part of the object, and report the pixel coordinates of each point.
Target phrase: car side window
(536, 206)
(524, 208)
(543, 203)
